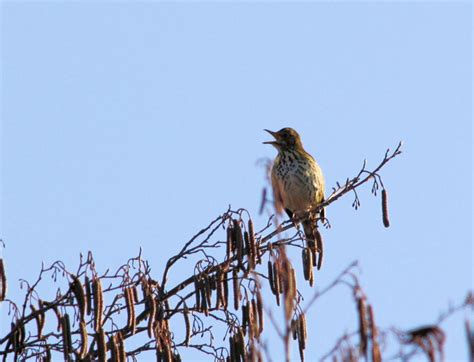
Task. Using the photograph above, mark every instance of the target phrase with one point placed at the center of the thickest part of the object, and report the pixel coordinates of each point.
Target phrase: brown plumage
(297, 179)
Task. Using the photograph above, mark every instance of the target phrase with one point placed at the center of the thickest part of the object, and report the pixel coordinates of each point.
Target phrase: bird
(297, 181)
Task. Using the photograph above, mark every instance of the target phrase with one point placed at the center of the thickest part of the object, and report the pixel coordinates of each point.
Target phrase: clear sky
(133, 124)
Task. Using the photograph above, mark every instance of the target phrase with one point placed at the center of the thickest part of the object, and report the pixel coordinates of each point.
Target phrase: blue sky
(133, 124)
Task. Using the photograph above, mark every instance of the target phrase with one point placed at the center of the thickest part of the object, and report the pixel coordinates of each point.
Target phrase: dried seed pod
(363, 335)
(114, 351)
(3, 281)
(87, 283)
(67, 338)
(101, 345)
(236, 287)
(188, 326)
(320, 246)
(386, 220)
(98, 303)
(79, 294)
(84, 340)
(130, 302)
(121, 348)
(151, 302)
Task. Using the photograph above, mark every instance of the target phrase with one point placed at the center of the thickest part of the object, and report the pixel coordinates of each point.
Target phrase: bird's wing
(277, 194)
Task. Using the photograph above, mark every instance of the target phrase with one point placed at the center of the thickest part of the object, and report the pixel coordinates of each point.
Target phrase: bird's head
(285, 139)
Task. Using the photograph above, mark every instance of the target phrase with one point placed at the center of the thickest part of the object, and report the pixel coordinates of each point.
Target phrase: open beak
(275, 135)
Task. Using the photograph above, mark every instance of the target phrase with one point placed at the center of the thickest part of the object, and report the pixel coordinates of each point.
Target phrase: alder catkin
(101, 345)
(264, 199)
(232, 352)
(88, 295)
(42, 318)
(219, 289)
(197, 292)
(277, 282)
(254, 318)
(57, 313)
(361, 311)
(128, 294)
(187, 323)
(66, 334)
(320, 246)
(236, 288)
(260, 312)
(208, 289)
(376, 355)
(386, 220)
(270, 277)
(294, 329)
(98, 303)
(79, 294)
(253, 244)
(151, 302)
(3, 281)
(84, 339)
(294, 287)
(121, 348)
(204, 305)
(245, 316)
(114, 352)
(225, 283)
(239, 241)
(39, 320)
(229, 239)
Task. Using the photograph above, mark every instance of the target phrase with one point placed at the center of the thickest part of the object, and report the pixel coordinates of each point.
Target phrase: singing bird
(297, 179)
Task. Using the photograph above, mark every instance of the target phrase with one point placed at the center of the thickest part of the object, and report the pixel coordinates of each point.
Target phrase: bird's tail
(314, 241)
